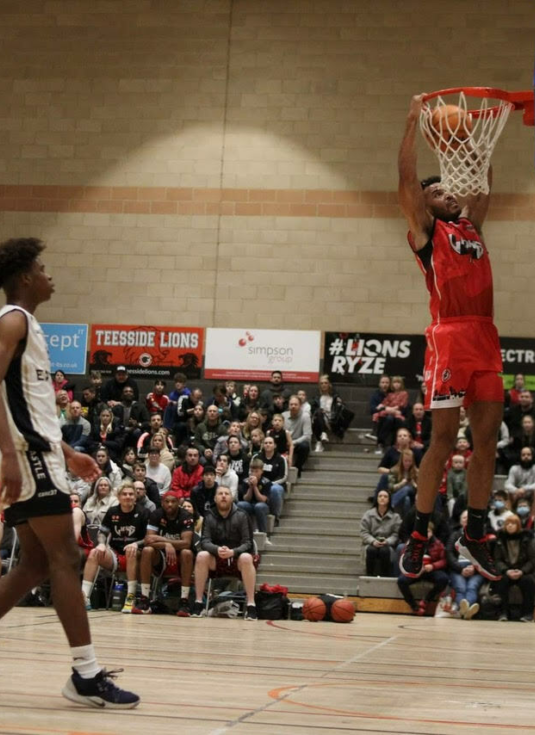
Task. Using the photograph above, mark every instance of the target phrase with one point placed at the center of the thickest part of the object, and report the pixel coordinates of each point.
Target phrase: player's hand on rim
(416, 105)
(10, 479)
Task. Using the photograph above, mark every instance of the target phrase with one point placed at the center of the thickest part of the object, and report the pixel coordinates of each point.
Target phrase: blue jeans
(259, 510)
(276, 499)
(402, 499)
(466, 588)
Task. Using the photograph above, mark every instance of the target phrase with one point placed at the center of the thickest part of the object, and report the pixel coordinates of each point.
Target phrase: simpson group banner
(359, 358)
(240, 354)
(67, 347)
(147, 351)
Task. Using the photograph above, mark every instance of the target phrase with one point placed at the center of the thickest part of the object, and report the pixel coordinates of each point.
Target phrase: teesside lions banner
(147, 351)
(359, 358)
(239, 354)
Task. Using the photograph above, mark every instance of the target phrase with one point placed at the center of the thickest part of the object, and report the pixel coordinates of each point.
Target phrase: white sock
(86, 588)
(84, 661)
(145, 590)
(184, 593)
(132, 587)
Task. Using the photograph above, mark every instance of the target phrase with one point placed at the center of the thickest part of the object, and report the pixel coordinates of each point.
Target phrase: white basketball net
(464, 152)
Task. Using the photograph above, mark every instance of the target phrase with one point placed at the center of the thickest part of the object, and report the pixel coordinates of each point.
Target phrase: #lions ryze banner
(147, 351)
(240, 354)
(356, 357)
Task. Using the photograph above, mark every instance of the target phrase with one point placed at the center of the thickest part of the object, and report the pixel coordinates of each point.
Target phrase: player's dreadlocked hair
(17, 256)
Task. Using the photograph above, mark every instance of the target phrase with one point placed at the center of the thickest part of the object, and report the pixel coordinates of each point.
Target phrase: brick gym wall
(223, 163)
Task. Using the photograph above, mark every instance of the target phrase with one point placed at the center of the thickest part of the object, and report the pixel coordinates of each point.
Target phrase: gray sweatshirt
(300, 427)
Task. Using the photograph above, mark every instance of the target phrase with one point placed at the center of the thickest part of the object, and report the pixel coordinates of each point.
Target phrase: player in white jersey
(33, 489)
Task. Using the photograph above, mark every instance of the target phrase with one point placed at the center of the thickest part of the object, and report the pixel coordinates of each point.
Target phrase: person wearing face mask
(520, 482)
(514, 556)
(523, 511)
(499, 512)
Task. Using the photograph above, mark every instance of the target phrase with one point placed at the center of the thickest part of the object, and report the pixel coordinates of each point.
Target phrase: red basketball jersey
(457, 271)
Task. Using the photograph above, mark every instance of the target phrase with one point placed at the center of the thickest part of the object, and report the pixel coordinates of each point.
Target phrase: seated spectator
(515, 561)
(108, 467)
(464, 423)
(276, 388)
(187, 505)
(323, 411)
(524, 407)
(81, 534)
(419, 426)
(222, 402)
(379, 530)
(156, 401)
(303, 400)
(207, 433)
(227, 548)
(187, 475)
(456, 480)
(433, 571)
(523, 509)
(256, 441)
(393, 413)
(233, 396)
(127, 463)
(155, 427)
(403, 483)
(112, 391)
(520, 481)
(107, 432)
(203, 494)
(255, 495)
(226, 476)
(282, 437)
(504, 450)
(167, 551)
(82, 488)
(393, 453)
(499, 511)
(76, 431)
(140, 473)
(238, 459)
(250, 401)
(159, 441)
(280, 404)
(253, 421)
(512, 396)
(464, 578)
(377, 403)
(300, 428)
(95, 381)
(189, 413)
(180, 389)
(142, 501)
(221, 446)
(523, 438)
(157, 471)
(60, 382)
(121, 536)
(62, 406)
(91, 405)
(276, 471)
(100, 500)
(132, 416)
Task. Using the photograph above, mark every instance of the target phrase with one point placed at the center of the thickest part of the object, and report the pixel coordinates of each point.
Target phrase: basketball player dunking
(463, 356)
(33, 487)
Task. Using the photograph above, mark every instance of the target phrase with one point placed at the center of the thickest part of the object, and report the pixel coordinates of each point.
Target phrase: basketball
(447, 122)
(314, 609)
(342, 611)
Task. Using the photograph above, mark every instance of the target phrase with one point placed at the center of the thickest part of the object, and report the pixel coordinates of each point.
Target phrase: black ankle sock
(475, 527)
(421, 523)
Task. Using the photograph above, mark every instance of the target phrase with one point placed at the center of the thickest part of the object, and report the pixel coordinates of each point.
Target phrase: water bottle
(118, 597)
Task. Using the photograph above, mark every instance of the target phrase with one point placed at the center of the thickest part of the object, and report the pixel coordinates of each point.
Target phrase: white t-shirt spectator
(160, 475)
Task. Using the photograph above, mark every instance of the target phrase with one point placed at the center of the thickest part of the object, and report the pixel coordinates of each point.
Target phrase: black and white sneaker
(250, 613)
(183, 609)
(478, 552)
(412, 559)
(100, 691)
(198, 611)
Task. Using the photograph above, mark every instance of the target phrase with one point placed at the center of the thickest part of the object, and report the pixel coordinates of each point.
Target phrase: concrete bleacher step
(315, 584)
(322, 477)
(332, 527)
(311, 563)
(309, 542)
(330, 512)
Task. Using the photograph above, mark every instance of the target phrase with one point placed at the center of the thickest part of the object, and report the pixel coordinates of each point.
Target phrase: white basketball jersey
(28, 392)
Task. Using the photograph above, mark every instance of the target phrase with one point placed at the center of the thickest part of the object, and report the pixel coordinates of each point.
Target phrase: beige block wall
(234, 146)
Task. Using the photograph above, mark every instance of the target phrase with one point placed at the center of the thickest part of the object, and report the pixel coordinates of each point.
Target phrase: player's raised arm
(411, 197)
(476, 206)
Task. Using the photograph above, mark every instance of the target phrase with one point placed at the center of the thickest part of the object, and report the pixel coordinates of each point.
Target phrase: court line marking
(268, 705)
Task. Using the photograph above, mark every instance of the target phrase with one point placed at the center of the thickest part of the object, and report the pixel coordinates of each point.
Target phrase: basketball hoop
(464, 148)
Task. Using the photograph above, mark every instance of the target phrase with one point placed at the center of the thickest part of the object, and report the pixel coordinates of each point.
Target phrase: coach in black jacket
(227, 550)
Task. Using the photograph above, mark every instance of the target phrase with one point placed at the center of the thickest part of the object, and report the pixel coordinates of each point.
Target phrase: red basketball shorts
(462, 362)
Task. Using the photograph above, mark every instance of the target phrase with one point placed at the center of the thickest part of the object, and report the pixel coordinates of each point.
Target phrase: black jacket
(526, 556)
(233, 531)
(112, 390)
(138, 411)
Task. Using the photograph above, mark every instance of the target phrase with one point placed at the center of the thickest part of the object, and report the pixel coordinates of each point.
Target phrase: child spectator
(238, 459)
(108, 467)
(419, 426)
(254, 495)
(203, 494)
(305, 405)
(379, 530)
(180, 389)
(257, 439)
(226, 476)
(392, 415)
(456, 482)
(522, 508)
(464, 578)
(377, 403)
(60, 382)
(392, 454)
(499, 511)
(156, 400)
(282, 437)
(434, 571)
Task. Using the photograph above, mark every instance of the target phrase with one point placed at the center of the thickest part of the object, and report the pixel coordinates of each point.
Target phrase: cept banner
(359, 358)
(253, 354)
(147, 351)
(67, 346)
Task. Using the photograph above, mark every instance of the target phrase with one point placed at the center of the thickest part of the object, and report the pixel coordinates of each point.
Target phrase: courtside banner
(67, 346)
(147, 351)
(359, 358)
(518, 355)
(253, 354)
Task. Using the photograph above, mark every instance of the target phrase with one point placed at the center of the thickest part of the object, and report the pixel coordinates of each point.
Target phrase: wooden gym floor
(379, 674)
